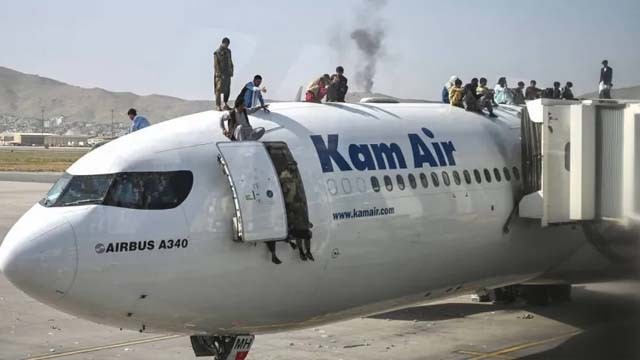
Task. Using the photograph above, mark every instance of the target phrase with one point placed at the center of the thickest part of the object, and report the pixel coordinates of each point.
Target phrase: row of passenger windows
(456, 178)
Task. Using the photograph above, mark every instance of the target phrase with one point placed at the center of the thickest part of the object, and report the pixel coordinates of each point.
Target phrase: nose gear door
(257, 196)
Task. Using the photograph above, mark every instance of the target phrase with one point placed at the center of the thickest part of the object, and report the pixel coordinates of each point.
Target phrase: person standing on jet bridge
(238, 127)
(223, 72)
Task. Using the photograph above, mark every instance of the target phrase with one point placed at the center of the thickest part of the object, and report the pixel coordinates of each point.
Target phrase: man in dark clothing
(567, 94)
(606, 80)
(223, 72)
(532, 92)
(557, 92)
(338, 86)
(518, 94)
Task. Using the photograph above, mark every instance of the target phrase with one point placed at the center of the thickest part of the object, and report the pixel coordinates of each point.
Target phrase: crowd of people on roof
(475, 96)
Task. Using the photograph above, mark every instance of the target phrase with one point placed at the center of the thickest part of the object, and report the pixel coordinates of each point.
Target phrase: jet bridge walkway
(581, 162)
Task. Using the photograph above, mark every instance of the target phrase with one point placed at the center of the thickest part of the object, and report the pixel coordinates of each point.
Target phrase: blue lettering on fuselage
(382, 156)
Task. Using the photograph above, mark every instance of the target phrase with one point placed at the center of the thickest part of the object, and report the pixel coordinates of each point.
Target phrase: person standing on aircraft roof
(137, 121)
(223, 72)
(486, 97)
(294, 204)
(338, 86)
(518, 94)
(532, 92)
(238, 126)
(567, 94)
(557, 92)
(447, 87)
(502, 93)
(606, 80)
(456, 93)
(252, 94)
(317, 90)
(470, 99)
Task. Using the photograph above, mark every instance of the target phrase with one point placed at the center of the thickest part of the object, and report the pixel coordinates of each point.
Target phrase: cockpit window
(85, 190)
(55, 191)
(134, 190)
(152, 190)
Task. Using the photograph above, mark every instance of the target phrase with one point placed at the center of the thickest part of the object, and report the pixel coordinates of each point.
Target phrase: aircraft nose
(41, 260)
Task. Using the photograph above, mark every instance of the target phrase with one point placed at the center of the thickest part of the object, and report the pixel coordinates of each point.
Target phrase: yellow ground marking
(476, 353)
(525, 346)
(104, 347)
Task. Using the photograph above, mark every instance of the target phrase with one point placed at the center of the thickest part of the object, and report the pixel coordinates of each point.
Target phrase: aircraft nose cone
(42, 262)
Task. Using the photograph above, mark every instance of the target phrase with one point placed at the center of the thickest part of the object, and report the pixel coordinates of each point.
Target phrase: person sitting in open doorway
(238, 126)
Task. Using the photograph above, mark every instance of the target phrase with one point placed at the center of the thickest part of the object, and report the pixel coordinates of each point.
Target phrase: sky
(161, 47)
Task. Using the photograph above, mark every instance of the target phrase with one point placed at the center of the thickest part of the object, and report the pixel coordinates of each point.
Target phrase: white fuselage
(374, 250)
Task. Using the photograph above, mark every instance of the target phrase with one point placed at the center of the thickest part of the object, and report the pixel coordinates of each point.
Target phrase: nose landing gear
(226, 347)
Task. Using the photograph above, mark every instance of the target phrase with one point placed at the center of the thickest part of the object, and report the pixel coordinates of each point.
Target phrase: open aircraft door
(260, 213)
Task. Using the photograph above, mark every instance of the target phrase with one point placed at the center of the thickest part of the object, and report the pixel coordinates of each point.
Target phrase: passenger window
(346, 186)
(400, 181)
(412, 181)
(445, 178)
(487, 175)
(467, 176)
(375, 184)
(516, 173)
(456, 177)
(361, 185)
(507, 174)
(476, 174)
(496, 174)
(387, 183)
(434, 179)
(423, 180)
(149, 190)
(332, 187)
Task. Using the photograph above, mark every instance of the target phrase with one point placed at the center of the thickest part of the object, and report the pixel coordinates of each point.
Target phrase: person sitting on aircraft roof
(567, 94)
(138, 121)
(518, 94)
(502, 93)
(238, 126)
(456, 93)
(470, 99)
(557, 92)
(486, 97)
(447, 86)
(317, 90)
(252, 94)
(532, 92)
(338, 87)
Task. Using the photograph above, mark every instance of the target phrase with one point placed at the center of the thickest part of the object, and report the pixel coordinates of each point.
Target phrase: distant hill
(628, 93)
(24, 95)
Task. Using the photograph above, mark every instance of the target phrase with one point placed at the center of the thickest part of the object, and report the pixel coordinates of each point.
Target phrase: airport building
(44, 139)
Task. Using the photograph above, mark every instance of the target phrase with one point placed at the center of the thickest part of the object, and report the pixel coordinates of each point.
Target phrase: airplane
(167, 229)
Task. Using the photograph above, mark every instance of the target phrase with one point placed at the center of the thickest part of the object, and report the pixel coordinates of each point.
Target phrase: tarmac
(602, 322)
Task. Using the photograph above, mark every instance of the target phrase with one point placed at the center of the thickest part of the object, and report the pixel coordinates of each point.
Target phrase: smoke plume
(369, 38)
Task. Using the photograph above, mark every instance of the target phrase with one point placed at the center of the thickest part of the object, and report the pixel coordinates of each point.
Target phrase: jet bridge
(581, 161)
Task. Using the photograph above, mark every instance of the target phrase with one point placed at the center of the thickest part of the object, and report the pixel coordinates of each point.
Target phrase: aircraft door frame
(260, 213)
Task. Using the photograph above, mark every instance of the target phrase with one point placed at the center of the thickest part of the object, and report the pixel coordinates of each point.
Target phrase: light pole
(42, 109)
(112, 134)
